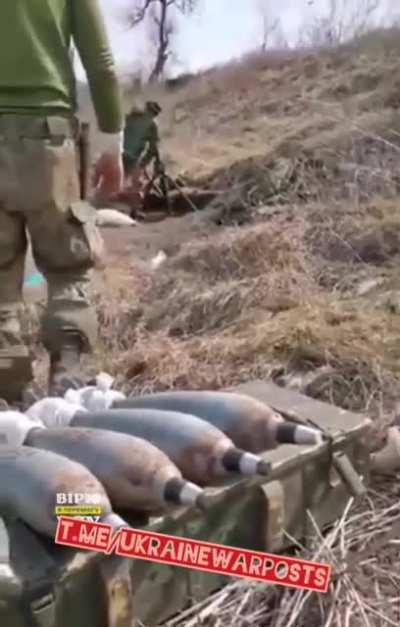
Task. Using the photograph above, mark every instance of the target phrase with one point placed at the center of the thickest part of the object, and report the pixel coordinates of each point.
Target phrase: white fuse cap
(14, 427)
(54, 412)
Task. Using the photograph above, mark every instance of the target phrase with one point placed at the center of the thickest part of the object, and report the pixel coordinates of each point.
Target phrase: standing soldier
(141, 140)
(39, 181)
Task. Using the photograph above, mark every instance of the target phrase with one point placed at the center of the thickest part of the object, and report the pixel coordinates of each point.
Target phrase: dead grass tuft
(227, 280)
(250, 302)
(349, 233)
(239, 253)
(362, 549)
(198, 348)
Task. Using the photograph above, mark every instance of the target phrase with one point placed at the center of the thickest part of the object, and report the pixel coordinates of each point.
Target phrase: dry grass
(314, 139)
(361, 234)
(263, 104)
(249, 303)
(356, 347)
(362, 548)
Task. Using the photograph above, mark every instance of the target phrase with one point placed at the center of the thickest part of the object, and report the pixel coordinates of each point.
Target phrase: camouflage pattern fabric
(40, 197)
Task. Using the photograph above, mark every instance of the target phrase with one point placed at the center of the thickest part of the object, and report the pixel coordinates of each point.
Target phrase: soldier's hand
(109, 172)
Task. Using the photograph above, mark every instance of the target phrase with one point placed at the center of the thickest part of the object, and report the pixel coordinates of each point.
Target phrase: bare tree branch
(160, 17)
(139, 11)
(271, 28)
(342, 22)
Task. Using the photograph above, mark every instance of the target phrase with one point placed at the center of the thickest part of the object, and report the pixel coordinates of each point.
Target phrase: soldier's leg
(63, 250)
(15, 360)
(136, 188)
(66, 245)
(128, 164)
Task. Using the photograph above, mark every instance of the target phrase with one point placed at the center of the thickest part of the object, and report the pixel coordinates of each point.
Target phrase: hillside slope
(292, 274)
(307, 289)
(272, 105)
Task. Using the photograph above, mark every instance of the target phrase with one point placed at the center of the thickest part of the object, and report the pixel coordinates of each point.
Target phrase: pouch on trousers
(83, 213)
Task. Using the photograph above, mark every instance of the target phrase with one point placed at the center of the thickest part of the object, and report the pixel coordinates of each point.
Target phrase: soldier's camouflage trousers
(40, 199)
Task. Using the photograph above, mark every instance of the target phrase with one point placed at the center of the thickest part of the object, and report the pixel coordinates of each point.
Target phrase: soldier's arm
(91, 40)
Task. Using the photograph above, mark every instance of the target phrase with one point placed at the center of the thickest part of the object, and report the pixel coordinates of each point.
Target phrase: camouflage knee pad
(69, 310)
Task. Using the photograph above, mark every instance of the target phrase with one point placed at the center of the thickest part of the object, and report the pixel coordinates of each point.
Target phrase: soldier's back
(138, 130)
(138, 121)
(35, 63)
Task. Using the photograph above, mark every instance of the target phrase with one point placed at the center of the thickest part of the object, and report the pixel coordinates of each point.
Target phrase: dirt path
(146, 239)
(141, 242)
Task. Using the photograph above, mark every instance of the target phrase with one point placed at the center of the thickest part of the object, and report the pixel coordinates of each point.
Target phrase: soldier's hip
(36, 126)
(39, 164)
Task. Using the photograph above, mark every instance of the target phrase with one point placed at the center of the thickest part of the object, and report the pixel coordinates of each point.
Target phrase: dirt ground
(140, 243)
(145, 240)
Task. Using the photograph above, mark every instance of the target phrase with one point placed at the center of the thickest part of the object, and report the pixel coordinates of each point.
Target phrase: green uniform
(36, 73)
(140, 139)
(39, 182)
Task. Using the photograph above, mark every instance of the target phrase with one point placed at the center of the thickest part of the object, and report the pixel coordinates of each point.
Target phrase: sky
(219, 31)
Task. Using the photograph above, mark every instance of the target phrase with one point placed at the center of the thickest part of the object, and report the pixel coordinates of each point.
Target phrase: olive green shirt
(36, 69)
(140, 138)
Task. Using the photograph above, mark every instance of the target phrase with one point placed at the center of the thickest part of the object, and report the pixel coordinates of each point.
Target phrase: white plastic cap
(92, 399)
(14, 427)
(54, 412)
(104, 381)
(96, 398)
